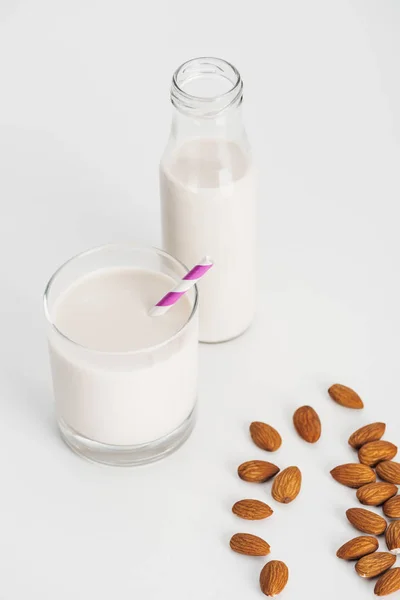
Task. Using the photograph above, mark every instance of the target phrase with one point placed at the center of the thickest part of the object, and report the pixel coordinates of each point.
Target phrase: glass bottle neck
(207, 94)
(227, 124)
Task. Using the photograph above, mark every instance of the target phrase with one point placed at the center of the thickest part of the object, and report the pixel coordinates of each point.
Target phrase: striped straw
(185, 284)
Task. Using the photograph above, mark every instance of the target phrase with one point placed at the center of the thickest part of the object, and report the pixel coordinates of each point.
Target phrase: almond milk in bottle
(208, 195)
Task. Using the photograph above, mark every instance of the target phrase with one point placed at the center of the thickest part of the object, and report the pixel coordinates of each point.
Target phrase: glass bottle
(208, 195)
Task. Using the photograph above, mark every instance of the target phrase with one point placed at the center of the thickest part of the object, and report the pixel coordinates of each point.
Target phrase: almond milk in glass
(208, 193)
(125, 383)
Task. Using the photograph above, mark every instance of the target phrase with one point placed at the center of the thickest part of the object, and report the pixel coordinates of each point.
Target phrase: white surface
(84, 116)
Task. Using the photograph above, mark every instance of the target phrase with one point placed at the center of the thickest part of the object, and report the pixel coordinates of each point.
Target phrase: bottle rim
(206, 105)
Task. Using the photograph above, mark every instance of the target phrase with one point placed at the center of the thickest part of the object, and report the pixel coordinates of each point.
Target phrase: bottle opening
(206, 86)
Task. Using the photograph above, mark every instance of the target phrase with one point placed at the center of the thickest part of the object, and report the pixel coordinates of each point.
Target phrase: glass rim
(238, 83)
(150, 249)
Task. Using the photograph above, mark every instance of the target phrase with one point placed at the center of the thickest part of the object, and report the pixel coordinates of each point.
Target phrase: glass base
(126, 456)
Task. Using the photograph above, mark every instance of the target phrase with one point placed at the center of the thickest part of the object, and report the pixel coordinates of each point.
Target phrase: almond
(345, 396)
(265, 437)
(389, 471)
(374, 564)
(274, 577)
(257, 471)
(368, 433)
(366, 521)
(253, 510)
(358, 547)
(252, 545)
(388, 583)
(287, 485)
(374, 494)
(391, 508)
(393, 537)
(374, 452)
(307, 424)
(353, 475)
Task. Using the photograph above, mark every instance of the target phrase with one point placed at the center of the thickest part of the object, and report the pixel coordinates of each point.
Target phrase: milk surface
(108, 310)
(122, 380)
(208, 208)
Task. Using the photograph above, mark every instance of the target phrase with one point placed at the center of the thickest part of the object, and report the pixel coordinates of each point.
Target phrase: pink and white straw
(185, 284)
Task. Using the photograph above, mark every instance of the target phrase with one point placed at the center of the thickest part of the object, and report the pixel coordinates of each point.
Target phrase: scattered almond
(374, 452)
(374, 494)
(252, 510)
(368, 433)
(287, 484)
(265, 437)
(391, 508)
(389, 471)
(345, 396)
(374, 564)
(252, 545)
(257, 471)
(388, 583)
(393, 537)
(366, 521)
(353, 475)
(307, 424)
(358, 547)
(274, 577)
